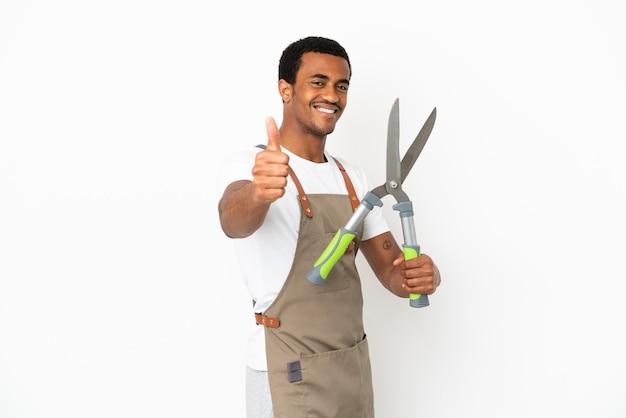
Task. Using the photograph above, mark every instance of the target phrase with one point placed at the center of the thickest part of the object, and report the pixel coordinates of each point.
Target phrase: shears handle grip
(343, 237)
(415, 300)
(333, 252)
(410, 248)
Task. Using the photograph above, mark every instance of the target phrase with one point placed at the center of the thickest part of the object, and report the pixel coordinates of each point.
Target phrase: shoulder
(351, 168)
(240, 155)
(237, 165)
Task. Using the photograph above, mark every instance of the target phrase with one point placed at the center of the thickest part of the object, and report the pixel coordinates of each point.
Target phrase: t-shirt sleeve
(237, 166)
(374, 224)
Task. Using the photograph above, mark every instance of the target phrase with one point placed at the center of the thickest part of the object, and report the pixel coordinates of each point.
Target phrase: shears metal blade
(397, 170)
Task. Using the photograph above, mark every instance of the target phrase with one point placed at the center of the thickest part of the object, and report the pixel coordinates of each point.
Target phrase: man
(283, 202)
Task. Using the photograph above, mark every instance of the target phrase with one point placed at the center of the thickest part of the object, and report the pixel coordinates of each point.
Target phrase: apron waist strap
(266, 321)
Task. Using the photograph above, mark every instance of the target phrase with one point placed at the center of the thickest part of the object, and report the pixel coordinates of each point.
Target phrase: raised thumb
(273, 143)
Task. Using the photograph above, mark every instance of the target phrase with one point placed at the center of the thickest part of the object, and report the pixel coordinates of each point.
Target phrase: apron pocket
(338, 383)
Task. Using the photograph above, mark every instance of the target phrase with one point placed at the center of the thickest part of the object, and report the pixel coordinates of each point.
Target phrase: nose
(330, 93)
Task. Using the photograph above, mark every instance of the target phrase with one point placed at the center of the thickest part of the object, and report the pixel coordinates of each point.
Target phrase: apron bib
(317, 353)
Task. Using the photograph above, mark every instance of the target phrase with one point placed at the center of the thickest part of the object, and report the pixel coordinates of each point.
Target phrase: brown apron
(317, 352)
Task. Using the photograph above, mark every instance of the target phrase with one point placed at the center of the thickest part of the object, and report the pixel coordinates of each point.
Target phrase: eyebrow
(325, 77)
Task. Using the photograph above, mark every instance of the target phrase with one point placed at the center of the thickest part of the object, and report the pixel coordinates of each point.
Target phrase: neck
(309, 148)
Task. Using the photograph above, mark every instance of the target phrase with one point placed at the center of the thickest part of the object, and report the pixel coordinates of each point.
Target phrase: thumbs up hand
(270, 168)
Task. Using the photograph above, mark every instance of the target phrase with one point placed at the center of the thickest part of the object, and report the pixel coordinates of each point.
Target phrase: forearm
(394, 283)
(241, 213)
(381, 252)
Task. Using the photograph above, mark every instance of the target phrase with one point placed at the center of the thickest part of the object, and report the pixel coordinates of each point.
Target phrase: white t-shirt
(273, 245)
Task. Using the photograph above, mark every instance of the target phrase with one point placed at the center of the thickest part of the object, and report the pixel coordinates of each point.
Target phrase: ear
(284, 89)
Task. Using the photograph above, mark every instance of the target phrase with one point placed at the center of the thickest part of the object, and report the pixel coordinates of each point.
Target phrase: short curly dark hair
(291, 59)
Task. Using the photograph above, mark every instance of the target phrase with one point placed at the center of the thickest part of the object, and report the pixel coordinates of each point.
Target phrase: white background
(119, 295)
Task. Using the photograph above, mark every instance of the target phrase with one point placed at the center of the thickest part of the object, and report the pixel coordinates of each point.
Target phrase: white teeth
(324, 110)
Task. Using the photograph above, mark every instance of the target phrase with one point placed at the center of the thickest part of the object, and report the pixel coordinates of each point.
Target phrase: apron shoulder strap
(354, 200)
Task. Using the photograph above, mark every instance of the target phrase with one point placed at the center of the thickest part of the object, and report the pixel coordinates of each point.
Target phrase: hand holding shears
(396, 174)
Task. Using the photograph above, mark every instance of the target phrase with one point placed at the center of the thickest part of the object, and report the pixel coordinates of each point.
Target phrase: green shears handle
(410, 248)
(333, 252)
(343, 237)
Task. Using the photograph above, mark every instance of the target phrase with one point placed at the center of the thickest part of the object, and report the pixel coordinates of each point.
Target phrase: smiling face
(319, 96)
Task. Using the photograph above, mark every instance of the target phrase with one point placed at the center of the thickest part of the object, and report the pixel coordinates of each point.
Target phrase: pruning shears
(396, 174)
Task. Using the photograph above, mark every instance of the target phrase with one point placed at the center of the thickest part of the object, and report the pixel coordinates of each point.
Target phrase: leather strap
(266, 321)
(354, 200)
(304, 201)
